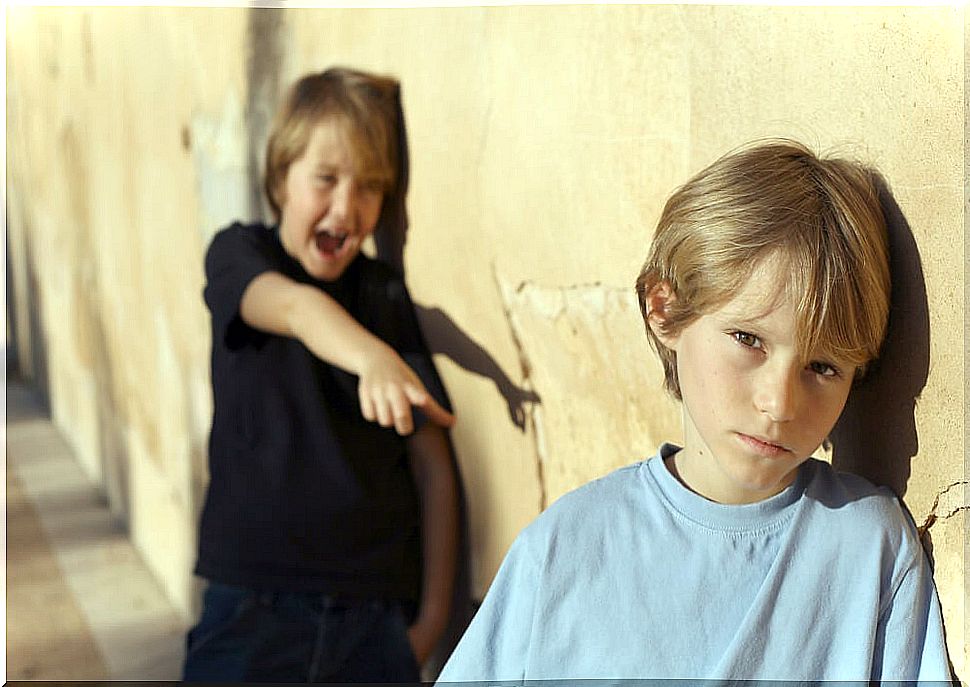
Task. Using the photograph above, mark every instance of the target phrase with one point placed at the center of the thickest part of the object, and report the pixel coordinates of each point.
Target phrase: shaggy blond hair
(776, 200)
(363, 106)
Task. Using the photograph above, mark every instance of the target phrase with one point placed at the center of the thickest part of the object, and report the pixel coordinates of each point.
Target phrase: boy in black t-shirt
(328, 534)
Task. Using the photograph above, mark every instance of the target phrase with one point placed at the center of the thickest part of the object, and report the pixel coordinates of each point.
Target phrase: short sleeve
(909, 637)
(496, 645)
(236, 256)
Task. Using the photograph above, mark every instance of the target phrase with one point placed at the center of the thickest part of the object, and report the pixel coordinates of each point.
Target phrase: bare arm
(276, 304)
(434, 476)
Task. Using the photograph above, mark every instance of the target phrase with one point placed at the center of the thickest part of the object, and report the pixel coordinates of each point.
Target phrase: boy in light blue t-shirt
(738, 555)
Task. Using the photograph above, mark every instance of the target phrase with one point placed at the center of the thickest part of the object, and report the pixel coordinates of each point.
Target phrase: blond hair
(776, 199)
(364, 106)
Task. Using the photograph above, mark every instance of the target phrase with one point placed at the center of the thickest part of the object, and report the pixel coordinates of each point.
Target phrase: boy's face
(753, 412)
(328, 207)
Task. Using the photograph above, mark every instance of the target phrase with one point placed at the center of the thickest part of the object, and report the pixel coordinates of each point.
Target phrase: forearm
(434, 476)
(278, 305)
(332, 334)
(387, 386)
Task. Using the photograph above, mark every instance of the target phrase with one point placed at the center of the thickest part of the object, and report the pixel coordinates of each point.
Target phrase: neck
(699, 472)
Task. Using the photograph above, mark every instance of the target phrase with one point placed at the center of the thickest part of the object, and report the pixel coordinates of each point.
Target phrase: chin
(769, 484)
(328, 270)
(332, 274)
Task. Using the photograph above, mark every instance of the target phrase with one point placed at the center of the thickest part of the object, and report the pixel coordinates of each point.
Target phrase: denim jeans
(245, 635)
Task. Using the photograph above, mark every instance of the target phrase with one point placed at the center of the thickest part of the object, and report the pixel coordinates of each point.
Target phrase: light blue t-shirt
(633, 576)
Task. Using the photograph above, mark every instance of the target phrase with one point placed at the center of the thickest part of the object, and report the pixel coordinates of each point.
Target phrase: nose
(777, 392)
(342, 204)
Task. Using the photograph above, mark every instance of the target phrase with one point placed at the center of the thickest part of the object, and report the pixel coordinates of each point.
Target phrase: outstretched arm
(388, 387)
(434, 476)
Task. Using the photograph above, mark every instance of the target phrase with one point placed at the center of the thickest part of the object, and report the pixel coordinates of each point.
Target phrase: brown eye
(824, 369)
(746, 339)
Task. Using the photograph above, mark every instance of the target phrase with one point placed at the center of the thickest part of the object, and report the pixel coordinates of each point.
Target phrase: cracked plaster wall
(586, 351)
(101, 109)
(543, 140)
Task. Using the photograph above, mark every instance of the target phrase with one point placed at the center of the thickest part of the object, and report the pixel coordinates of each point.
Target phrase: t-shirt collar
(338, 289)
(720, 516)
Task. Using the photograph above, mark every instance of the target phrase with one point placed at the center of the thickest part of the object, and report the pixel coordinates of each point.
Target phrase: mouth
(330, 241)
(763, 445)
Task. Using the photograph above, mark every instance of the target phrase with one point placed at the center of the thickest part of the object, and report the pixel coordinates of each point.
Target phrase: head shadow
(876, 435)
(390, 236)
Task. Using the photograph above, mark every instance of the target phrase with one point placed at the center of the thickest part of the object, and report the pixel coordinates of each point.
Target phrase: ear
(658, 301)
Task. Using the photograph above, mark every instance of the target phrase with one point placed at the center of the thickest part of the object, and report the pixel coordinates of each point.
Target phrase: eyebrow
(742, 320)
(754, 326)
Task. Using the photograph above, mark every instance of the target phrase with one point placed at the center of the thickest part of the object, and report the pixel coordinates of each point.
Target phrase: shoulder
(241, 242)
(834, 489)
(235, 256)
(256, 234)
(590, 509)
(859, 509)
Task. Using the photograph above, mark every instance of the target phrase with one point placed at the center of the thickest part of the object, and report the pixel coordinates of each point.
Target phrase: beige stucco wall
(543, 140)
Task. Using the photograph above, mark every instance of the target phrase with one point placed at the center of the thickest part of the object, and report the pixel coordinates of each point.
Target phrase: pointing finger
(438, 414)
(425, 401)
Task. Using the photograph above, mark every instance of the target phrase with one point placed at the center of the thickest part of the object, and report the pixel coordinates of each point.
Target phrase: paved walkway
(81, 605)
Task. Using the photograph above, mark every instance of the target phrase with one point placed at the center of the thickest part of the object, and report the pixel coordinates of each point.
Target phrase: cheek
(709, 377)
(826, 412)
(725, 390)
(292, 205)
(836, 407)
(292, 216)
(369, 212)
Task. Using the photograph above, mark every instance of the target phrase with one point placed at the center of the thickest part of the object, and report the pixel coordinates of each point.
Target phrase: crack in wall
(597, 285)
(532, 418)
(932, 518)
(552, 304)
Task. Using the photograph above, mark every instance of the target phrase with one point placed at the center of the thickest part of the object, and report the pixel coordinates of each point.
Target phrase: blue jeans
(245, 635)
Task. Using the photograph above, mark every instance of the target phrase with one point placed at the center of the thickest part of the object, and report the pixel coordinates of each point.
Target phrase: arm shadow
(440, 331)
(876, 436)
(445, 337)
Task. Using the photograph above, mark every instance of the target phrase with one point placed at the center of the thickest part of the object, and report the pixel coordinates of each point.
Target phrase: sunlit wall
(543, 143)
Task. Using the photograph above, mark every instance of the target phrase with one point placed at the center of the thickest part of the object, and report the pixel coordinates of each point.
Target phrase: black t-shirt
(304, 493)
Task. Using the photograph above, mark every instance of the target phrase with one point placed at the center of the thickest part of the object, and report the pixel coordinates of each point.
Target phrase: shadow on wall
(876, 436)
(448, 339)
(263, 65)
(445, 337)
(26, 355)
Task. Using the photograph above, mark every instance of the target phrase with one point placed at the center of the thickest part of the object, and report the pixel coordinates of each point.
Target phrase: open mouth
(329, 242)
